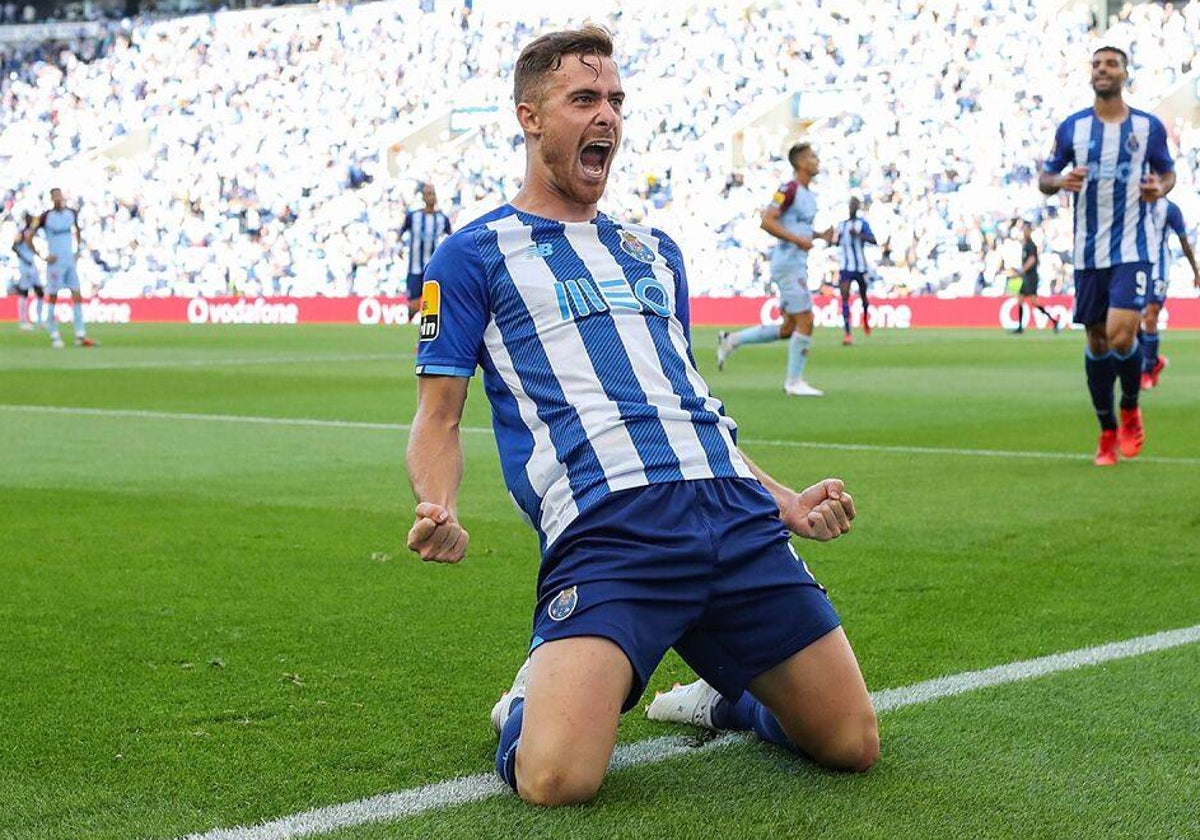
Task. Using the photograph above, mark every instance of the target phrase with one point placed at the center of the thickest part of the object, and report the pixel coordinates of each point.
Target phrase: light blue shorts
(59, 277)
(794, 296)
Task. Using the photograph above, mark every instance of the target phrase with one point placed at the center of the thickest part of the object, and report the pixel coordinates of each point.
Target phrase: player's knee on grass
(852, 746)
(556, 782)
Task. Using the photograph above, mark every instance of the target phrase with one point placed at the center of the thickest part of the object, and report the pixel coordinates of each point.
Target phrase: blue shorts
(29, 278)
(1098, 290)
(59, 277)
(416, 283)
(703, 566)
(851, 277)
(1157, 293)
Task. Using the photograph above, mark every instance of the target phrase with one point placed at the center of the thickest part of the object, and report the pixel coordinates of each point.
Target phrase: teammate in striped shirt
(1120, 166)
(1167, 217)
(656, 531)
(851, 238)
(789, 218)
(423, 229)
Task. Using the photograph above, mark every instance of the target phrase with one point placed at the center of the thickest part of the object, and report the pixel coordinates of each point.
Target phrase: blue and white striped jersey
(425, 231)
(1112, 223)
(583, 334)
(1167, 217)
(851, 245)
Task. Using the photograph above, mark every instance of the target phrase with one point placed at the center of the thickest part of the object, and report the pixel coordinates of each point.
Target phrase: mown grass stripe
(404, 427)
(466, 789)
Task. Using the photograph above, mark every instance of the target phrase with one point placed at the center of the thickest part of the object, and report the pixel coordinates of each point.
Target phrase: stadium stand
(274, 151)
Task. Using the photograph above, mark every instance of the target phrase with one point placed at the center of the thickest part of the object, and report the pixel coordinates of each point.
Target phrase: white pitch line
(216, 362)
(486, 430)
(407, 803)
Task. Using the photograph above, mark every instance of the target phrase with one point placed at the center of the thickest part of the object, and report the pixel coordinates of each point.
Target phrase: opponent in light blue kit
(853, 235)
(789, 218)
(655, 530)
(1121, 167)
(60, 226)
(28, 279)
(1167, 218)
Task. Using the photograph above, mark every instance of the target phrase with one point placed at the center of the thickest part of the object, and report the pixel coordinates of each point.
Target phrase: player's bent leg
(820, 700)
(569, 728)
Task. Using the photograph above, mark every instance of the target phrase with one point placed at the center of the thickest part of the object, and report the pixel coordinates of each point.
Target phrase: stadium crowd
(265, 152)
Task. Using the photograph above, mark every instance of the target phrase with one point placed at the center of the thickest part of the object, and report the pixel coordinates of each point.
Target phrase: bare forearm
(1168, 181)
(435, 461)
(776, 229)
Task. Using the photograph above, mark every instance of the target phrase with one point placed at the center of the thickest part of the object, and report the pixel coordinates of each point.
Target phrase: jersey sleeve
(866, 232)
(1157, 153)
(446, 224)
(784, 196)
(1175, 219)
(1063, 152)
(455, 310)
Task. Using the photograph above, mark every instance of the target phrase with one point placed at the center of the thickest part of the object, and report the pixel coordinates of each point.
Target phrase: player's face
(808, 163)
(579, 117)
(56, 197)
(1108, 74)
(429, 195)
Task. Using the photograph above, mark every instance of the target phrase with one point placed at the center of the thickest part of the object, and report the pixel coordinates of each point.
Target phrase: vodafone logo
(372, 311)
(95, 311)
(1008, 315)
(258, 311)
(897, 316)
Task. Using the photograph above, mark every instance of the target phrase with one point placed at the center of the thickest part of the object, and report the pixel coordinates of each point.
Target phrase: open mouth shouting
(595, 157)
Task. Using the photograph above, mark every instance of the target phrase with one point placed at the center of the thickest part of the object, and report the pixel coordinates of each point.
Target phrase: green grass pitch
(213, 622)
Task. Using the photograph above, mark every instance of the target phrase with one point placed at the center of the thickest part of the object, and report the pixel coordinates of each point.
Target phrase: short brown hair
(797, 150)
(544, 55)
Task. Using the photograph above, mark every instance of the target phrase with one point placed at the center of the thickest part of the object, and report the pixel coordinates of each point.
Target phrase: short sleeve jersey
(583, 335)
(797, 209)
(1112, 223)
(852, 255)
(1167, 217)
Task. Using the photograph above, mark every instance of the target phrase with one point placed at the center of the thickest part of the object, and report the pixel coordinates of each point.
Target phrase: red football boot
(1132, 434)
(1106, 451)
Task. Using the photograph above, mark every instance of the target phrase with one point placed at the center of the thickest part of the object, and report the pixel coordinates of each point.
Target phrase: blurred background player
(1121, 167)
(1167, 217)
(1029, 281)
(60, 226)
(28, 280)
(425, 229)
(789, 218)
(852, 237)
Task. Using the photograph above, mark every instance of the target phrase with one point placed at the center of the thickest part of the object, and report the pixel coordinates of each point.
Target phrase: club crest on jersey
(1132, 144)
(636, 248)
(431, 310)
(564, 604)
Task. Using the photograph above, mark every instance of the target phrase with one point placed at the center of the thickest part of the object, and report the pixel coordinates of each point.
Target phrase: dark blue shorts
(1157, 293)
(851, 277)
(1098, 290)
(415, 284)
(703, 566)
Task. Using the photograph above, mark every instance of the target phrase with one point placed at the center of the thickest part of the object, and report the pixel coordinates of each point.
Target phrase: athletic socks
(51, 321)
(846, 313)
(755, 335)
(80, 329)
(1149, 342)
(797, 356)
(749, 715)
(22, 309)
(510, 737)
(1129, 370)
(1101, 375)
